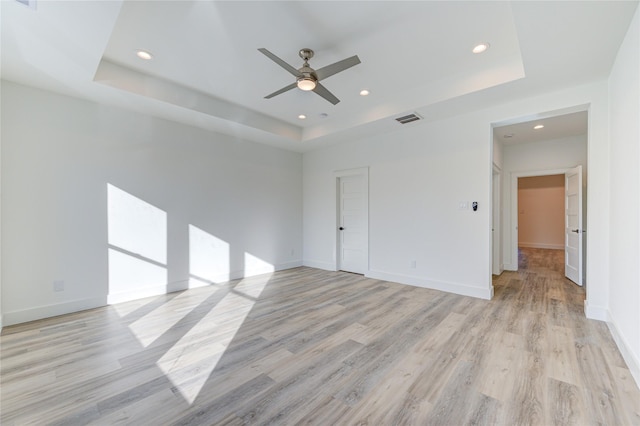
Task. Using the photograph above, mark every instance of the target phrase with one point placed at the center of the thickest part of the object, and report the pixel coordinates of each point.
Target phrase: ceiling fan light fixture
(307, 84)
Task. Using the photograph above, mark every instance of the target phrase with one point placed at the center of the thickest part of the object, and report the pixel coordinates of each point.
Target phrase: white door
(573, 225)
(353, 239)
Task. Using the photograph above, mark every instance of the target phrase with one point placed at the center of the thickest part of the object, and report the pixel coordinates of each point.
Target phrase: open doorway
(543, 144)
(541, 212)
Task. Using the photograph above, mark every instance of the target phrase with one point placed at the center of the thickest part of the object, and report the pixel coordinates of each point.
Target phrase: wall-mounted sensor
(474, 206)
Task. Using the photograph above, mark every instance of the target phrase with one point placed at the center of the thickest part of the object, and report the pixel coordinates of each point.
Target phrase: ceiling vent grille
(408, 118)
(31, 4)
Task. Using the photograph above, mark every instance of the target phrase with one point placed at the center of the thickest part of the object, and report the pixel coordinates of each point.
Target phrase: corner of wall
(600, 313)
(318, 264)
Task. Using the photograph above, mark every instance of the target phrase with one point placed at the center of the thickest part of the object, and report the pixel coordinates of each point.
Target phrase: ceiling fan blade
(284, 89)
(280, 62)
(336, 67)
(322, 91)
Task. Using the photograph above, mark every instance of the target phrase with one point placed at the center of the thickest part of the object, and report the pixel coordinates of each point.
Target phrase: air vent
(31, 4)
(408, 118)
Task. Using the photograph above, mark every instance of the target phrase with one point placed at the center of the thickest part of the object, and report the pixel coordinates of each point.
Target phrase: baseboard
(599, 313)
(327, 266)
(32, 314)
(461, 289)
(629, 357)
(40, 312)
(194, 282)
(510, 267)
(542, 246)
(141, 293)
(289, 265)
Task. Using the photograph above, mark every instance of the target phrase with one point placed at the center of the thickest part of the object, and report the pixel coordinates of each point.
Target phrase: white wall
(624, 110)
(418, 176)
(534, 157)
(59, 155)
(413, 215)
(541, 212)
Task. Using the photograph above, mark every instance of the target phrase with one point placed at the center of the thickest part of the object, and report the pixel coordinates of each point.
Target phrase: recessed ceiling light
(143, 54)
(479, 48)
(538, 126)
(302, 116)
(364, 92)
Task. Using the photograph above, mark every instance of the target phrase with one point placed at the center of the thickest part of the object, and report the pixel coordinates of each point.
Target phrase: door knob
(341, 228)
(577, 231)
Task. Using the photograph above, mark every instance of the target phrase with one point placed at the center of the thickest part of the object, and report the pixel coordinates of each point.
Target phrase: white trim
(456, 288)
(319, 264)
(32, 314)
(625, 349)
(510, 267)
(495, 217)
(599, 313)
(141, 293)
(541, 246)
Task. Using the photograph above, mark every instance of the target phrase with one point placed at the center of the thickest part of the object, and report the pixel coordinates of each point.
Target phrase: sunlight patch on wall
(129, 274)
(137, 254)
(136, 226)
(208, 258)
(253, 265)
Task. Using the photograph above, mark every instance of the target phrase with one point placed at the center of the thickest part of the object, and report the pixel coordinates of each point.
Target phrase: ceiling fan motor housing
(306, 54)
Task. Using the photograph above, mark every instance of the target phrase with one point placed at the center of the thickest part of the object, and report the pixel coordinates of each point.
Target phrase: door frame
(497, 262)
(513, 229)
(337, 175)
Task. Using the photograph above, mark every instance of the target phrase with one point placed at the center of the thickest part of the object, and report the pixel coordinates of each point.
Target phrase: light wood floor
(310, 346)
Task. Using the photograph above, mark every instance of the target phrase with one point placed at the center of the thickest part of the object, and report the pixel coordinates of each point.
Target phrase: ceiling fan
(307, 78)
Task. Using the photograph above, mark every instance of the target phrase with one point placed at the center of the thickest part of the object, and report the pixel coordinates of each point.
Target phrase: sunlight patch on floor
(190, 362)
(157, 322)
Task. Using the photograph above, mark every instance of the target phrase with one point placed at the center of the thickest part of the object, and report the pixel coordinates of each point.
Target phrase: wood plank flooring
(306, 346)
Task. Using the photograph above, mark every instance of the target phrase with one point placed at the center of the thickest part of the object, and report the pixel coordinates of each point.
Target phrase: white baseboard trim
(632, 360)
(603, 314)
(599, 313)
(462, 289)
(40, 312)
(289, 265)
(318, 264)
(542, 246)
(194, 282)
(510, 267)
(141, 293)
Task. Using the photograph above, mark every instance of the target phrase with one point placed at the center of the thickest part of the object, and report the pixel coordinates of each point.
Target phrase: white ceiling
(207, 71)
(555, 127)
